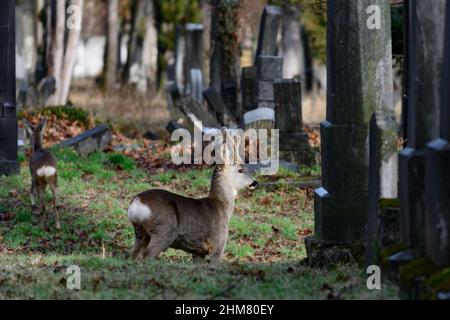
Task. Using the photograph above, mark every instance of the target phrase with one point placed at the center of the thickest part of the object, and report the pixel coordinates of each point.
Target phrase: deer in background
(43, 169)
(162, 219)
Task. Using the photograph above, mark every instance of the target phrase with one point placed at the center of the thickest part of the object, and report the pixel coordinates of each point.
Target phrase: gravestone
(268, 66)
(8, 120)
(261, 118)
(95, 139)
(180, 55)
(294, 142)
(196, 84)
(425, 60)
(268, 31)
(193, 58)
(383, 216)
(437, 172)
(195, 111)
(358, 59)
(248, 88)
(217, 106)
(230, 98)
(268, 69)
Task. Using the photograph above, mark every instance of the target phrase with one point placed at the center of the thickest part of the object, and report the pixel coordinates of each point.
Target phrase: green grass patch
(261, 261)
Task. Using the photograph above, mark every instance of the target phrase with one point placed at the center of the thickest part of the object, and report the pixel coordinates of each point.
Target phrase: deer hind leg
(142, 240)
(196, 258)
(32, 191)
(40, 190)
(54, 189)
(161, 239)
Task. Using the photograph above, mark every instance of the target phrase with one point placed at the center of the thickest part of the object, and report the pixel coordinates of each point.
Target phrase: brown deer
(43, 169)
(162, 219)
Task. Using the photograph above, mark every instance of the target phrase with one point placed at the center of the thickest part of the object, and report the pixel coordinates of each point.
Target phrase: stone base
(437, 220)
(393, 258)
(323, 253)
(413, 277)
(412, 194)
(294, 147)
(340, 217)
(9, 164)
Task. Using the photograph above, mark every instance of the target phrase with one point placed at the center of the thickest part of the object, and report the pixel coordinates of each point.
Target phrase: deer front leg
(217, 253)
(32, 190)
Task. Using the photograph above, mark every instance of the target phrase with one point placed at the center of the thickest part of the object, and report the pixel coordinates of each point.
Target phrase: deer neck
(223, 194)
(36, 144)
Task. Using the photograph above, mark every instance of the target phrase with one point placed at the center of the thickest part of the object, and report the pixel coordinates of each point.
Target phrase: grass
(262, 259)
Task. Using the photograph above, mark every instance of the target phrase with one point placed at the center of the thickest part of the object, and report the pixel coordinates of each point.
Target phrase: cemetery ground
(264, 258)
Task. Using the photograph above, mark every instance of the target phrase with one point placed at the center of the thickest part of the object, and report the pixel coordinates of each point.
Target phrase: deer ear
(28, 127)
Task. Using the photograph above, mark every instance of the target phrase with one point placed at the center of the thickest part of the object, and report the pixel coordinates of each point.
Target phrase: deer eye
(241, 170)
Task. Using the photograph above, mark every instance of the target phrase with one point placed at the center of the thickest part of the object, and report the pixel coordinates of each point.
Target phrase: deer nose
(253, 185)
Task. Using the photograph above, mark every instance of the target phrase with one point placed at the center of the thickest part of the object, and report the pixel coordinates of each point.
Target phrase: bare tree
(112, 43)
(74, 24)
(57, 12)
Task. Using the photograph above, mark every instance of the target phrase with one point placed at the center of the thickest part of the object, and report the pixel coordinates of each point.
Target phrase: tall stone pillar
(437, 172)
(359, 84)
(8, 121)
(425, 58)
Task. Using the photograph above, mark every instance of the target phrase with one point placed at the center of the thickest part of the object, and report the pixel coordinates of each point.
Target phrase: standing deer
(43, 169)
(162, 219)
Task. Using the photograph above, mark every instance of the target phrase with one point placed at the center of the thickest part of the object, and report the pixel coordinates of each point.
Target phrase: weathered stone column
(8, 121)
(194, 50)
(437, 172)
(294, 144)
(359, 77)
(426, 47)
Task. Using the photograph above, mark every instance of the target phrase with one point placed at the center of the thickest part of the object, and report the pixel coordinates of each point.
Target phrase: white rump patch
(138, 212)
(46, 171)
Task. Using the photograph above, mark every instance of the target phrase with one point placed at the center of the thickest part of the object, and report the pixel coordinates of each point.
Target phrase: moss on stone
(389, 251)
(438, 282)
(416, 268)
(392, 203)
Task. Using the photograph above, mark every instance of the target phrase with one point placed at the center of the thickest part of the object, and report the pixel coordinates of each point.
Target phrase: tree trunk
(112, 44)
(56, 51)
(133, 44)
(150, 50)
(224, 63)
(142, 57)
(71, 51)
(29, 37)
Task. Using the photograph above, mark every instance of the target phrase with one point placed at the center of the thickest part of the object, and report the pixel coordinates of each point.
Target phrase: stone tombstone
(358, 61)
(193, 58)
(217, 106)
(437, 172)
(196, 84)
(425, 60)
(268, 69)
(95, 139)
(248, 88)
(230, 97)
(195, 111)
(9, 163)
(261, 118)
(382, 220)
(294, 142)
(268, 31)
(180, 55)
